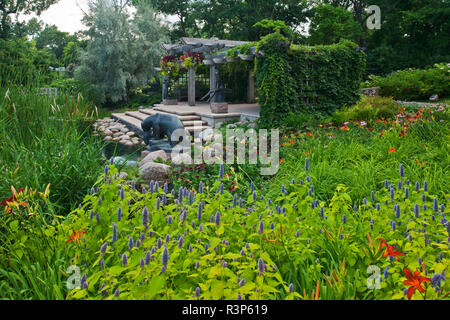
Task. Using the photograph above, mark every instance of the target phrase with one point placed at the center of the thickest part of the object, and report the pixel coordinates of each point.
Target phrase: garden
(358, 209)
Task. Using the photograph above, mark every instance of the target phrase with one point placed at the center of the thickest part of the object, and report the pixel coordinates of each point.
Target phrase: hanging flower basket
(230, 59)
(191, 60)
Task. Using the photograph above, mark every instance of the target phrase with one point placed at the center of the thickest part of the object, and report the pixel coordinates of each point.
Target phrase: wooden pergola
(209, 46)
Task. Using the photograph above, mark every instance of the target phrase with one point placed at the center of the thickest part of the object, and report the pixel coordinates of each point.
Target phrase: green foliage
(297, 243)
(32, 264)
(235, 77)
(230, 19)
(54, 40)
(369, 109)
(413, 34)
(22, 63)
(357, 154)
(414, 84)
(306, 79)
(46, 140)
(266, 27)
(330, 24)
(122, 53)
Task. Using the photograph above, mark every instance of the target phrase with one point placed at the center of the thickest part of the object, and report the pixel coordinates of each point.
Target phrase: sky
(67, 15)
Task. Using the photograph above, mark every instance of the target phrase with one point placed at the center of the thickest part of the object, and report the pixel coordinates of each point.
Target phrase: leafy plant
(414, 84)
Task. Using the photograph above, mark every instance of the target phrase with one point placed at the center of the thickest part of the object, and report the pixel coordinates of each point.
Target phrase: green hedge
(294, 79)
(414, 84)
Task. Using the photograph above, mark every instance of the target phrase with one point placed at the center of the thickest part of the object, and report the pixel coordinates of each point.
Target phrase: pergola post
(251, 87)
(212, 80)
(191, 86)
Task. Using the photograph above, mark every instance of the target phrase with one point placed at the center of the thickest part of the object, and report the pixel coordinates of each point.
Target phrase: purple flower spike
(165, 256)
(291, 288)
(130, 243)
(104, 247)
(242, 283)
(117, 293)
(402, 171)
(180, 242)
(145, 217)
(217, 219)
(142, 262)
(239, 296)
(261, 227)
(435, 205)
(114, 232)
(344, 219)
(425, 186)
(416, 210)
(260, 266)
(124, 260)
(392, 193)
(197, 265)
(307, 164)
(197, 292)
(148, 257)
(119, 214)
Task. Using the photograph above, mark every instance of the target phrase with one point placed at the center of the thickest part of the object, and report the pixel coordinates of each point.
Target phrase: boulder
(108, 132)
(154, 171)
(131, 134)
(434, 97)
(124, 137)
(108, 138)
(152, 156)
(182, 158)
(124, 130)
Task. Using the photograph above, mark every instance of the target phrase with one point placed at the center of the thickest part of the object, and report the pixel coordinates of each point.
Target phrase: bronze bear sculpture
(158, 126)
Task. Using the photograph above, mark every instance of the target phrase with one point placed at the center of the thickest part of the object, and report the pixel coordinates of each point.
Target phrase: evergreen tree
(122, 51)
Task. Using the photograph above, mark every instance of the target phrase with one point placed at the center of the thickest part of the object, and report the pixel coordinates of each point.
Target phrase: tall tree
(9, 8)
(122, 51)
(331, 24)
(230, 19)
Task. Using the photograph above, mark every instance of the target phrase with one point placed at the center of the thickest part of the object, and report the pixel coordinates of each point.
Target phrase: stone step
(172, 111)
(150, 112)
(195, 123)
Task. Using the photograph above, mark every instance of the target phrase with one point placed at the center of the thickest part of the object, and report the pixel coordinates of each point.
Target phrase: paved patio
(252, 110)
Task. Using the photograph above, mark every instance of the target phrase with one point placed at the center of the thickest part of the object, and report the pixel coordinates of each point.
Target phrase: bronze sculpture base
(219, 107)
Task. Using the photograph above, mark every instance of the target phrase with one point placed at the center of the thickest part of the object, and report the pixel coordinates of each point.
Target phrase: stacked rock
(114, 131)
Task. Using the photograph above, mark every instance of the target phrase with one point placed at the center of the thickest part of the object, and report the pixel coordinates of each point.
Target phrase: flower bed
(209, 244)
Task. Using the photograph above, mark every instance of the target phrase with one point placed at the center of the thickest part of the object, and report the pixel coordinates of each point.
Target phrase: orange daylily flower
(309, 134)
(308, 152)
(392, 150)
(12, 201)
(414, 281)
(76, 236)
(390, 251)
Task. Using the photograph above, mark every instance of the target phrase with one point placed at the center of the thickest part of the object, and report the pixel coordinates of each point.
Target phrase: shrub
(306, 79)
(369, 109)
(414, 84)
